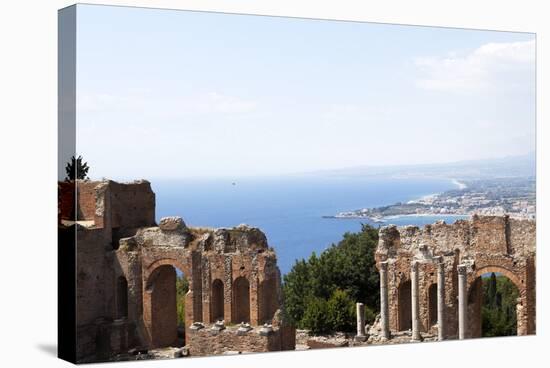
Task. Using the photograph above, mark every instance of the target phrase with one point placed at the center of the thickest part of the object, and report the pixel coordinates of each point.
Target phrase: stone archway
(160, 314)
(502, 270)
(476, 298)
(161, 285)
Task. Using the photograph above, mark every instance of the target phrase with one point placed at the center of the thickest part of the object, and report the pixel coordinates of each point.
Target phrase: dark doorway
(268, 300)
(122, 297)
(241, 300)
(167, 305)
(432, 304)
(216, 303)
(404, 305)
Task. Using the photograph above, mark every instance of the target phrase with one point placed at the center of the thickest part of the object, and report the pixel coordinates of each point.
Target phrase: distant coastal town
(497, 196)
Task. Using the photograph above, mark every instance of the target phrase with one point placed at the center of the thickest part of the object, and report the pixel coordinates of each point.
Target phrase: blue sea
(289, 210)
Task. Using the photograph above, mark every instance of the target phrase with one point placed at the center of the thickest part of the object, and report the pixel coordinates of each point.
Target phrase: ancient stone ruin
(430, 278)
(127, 265)
(126, 269)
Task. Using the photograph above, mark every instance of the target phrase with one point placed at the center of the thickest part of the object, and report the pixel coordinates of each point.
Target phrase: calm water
(289, 210)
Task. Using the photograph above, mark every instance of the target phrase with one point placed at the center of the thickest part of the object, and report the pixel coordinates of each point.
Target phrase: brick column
(414, 302)
(462, 302)
(384, 309)
(440, 299)
(228, 289)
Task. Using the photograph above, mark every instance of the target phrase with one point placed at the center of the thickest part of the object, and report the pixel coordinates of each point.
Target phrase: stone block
(173, 223)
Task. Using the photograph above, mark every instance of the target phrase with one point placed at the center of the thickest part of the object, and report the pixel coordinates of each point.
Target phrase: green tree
(498, 311)
(297, 291)
(76, 169)
(348, 267)
(491, 287)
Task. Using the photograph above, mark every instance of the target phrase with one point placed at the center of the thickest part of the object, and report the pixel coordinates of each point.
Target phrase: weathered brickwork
(460, 252)
(126, 276)
(208, 341)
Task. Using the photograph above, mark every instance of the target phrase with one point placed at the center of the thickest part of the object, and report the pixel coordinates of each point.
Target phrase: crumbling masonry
(430, 278)
(126, 276)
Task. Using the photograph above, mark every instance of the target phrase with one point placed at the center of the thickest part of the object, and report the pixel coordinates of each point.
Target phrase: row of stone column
(384, 307)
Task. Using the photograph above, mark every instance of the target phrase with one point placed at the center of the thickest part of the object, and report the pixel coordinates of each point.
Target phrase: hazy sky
(171, 94)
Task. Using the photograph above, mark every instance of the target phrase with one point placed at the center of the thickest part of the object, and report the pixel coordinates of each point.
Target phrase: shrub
(370, 315)
(315, 316)
(341, 311)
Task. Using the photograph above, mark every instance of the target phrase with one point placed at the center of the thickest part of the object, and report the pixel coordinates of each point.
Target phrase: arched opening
(216, 302)
(404, 305)
(122, 297)
(268, 300)
(432, 304)
(492, 306)
(166, 289)
(498, 311)
(241, 300)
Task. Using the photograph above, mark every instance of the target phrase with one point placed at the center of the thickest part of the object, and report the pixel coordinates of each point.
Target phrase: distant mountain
(506, 167)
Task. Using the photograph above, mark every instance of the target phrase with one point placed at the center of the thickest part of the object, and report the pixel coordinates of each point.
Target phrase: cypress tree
(492, 291)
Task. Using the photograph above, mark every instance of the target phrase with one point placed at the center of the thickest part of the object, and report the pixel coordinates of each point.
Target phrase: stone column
(462, 303)
(440, 299)
(414, 302)
(384, 308)
(360, 322)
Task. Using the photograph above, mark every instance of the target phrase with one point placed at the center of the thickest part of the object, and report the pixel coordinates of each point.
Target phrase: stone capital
(440, 264)
(414, 266)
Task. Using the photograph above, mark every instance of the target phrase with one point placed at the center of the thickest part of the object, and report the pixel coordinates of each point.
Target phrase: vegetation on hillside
(498, 311)
(320, 293)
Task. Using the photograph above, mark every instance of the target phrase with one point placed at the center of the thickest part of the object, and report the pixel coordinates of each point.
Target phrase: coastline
(511, 196)
(391, 217)
(459, 185)
(421, 200)
(426, 215)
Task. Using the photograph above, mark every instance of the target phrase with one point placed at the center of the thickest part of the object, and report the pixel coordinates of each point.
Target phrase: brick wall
(66, 201)
(86, 197)
(204, 342)
(133, 204)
